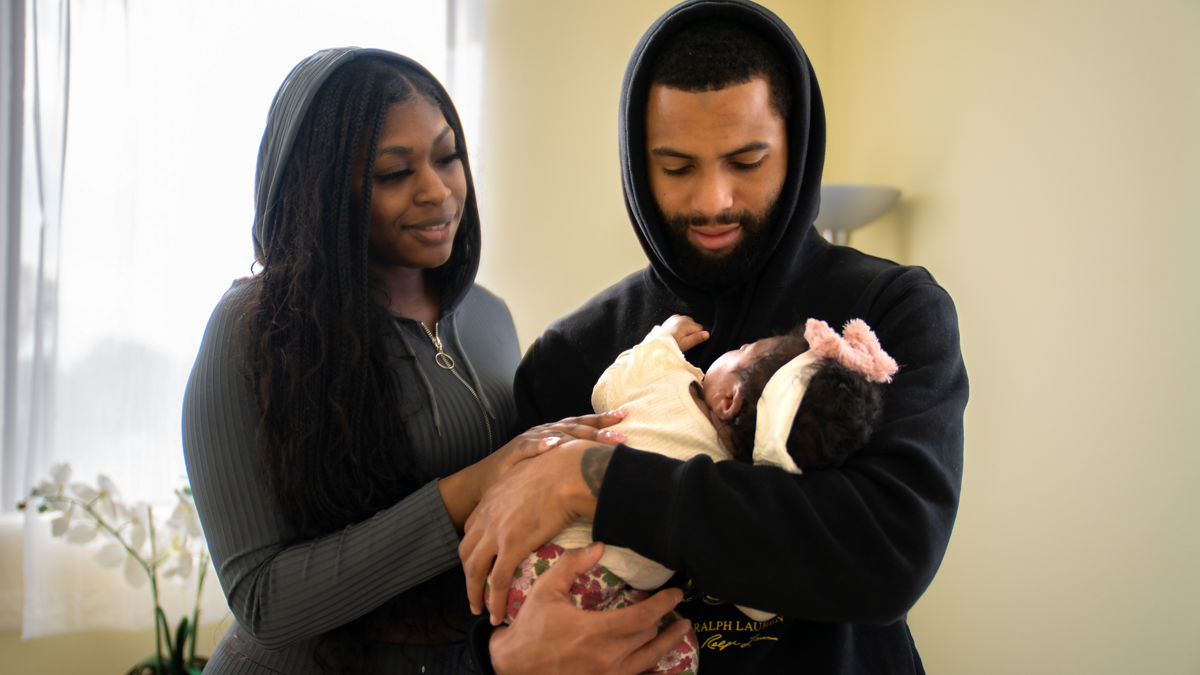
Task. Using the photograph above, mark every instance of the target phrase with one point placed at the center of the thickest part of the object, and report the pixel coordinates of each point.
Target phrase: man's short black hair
(711, 54)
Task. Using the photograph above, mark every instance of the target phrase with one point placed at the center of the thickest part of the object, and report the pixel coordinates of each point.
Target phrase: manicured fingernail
(613, 435)
(617, 413)
(551, 441)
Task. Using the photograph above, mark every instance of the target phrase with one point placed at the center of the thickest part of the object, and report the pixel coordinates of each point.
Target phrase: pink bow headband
(856, 349)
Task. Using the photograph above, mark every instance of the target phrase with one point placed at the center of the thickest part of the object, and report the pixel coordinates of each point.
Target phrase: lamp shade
(848, 206)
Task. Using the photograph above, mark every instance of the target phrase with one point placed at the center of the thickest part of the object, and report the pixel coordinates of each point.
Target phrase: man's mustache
(732, 218)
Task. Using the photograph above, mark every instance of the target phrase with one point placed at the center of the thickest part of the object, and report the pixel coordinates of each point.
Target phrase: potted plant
(149, 551)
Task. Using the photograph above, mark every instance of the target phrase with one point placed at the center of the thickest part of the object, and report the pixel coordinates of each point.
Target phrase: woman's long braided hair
(331, 443)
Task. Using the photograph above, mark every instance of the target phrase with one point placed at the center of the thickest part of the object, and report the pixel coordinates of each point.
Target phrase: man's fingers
(519, 512)
(477, 562)
(556, 580)
(645, 657)
(570, 565)
(550, 631)
(637, 627)
(499, 581)
(645, 615)
(497, 591)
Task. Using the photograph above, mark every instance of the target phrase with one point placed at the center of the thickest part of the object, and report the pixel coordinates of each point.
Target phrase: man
(722, 146)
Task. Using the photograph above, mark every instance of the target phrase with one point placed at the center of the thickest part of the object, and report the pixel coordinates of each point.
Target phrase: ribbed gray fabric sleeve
(281, 593)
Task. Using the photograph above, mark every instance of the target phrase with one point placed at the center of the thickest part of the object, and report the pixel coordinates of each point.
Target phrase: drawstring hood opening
(287, 113)
(797, 203)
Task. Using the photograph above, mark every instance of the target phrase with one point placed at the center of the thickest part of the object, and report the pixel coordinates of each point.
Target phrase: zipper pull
(441, 358)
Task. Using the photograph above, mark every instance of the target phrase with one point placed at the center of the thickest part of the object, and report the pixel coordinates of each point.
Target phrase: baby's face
(722, 376)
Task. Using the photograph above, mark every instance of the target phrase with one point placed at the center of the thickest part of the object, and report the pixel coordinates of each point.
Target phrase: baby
(820, 389)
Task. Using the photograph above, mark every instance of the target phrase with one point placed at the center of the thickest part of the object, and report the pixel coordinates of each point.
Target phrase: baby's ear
(731, 403)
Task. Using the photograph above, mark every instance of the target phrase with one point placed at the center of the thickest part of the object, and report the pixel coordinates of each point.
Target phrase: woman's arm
(283, 591)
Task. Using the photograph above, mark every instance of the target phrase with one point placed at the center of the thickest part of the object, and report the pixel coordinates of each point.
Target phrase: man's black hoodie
(841, 554)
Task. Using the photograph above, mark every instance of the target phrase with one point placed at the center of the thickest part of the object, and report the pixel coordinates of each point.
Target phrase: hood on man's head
(285, 118)
(800, 197)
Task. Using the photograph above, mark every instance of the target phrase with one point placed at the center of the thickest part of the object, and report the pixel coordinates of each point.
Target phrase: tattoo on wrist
(593, 465)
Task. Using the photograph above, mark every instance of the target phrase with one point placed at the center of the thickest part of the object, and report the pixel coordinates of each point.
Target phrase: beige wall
(1046, 151)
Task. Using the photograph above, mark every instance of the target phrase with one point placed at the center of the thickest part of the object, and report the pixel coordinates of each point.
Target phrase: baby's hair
(753, 378)
(839, 412)
(837, 416)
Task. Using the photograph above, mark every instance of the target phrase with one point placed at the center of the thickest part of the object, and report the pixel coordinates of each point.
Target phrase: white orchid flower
(184, 517)
(84, 492)
(80, 512)
(106, 501)
(82, 533)
(181, 561)
(137, 524)
(59, 475)
(111, 555)
(185, 564)
(59, 526)
(135, 574)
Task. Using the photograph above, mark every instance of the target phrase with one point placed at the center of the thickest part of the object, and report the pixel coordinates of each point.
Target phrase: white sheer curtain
(152, 165)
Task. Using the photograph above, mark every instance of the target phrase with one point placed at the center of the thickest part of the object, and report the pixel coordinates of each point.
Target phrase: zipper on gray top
(446, 362)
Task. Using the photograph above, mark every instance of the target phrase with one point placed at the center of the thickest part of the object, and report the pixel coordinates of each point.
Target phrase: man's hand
(462, 490)
(550, 635)
(524, 509)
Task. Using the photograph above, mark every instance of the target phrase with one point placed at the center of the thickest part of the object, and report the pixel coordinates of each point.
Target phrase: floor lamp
(849, 206)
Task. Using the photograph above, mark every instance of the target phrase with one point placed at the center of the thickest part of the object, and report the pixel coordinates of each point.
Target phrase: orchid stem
(70, 506)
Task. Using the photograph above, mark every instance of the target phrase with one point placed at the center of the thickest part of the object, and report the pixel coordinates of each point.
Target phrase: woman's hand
(543, 437)
(462, 490)
(550, 635)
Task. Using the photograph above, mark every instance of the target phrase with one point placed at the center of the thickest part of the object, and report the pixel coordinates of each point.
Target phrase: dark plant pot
(148, 667)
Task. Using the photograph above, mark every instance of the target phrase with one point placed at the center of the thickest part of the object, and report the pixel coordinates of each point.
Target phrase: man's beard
(712, 270)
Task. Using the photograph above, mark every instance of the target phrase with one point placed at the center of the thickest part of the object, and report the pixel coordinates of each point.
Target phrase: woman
(341, 411)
